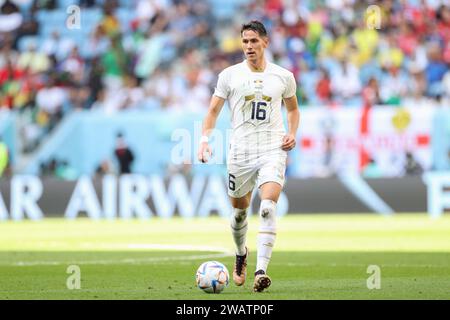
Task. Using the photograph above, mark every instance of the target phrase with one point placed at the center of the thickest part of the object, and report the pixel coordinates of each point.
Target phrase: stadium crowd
(153, 54)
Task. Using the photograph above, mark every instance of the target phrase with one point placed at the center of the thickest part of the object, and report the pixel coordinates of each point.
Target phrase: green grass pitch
(315, 257)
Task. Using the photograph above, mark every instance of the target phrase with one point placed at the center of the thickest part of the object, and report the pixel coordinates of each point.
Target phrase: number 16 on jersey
(259, 111)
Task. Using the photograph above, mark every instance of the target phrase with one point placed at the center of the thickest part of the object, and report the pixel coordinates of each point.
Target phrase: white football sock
(239, 227)
(267, 233)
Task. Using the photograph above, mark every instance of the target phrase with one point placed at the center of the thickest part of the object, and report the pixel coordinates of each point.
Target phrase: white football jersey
(255, 101)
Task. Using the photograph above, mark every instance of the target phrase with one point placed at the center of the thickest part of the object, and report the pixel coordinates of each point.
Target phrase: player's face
(253, 45)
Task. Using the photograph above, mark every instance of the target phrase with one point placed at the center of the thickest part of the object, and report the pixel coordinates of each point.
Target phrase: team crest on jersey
(259, 84)
(258, 88)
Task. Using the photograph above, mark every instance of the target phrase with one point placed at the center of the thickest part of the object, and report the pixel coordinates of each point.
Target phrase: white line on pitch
(222, 254)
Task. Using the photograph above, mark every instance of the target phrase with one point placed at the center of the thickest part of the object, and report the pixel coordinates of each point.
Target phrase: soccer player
(259, 143)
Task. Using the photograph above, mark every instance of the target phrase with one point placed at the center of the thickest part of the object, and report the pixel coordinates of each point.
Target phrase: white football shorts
(244, 175)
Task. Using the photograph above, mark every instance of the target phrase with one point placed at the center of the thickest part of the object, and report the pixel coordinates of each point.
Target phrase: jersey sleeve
(222, 89)
(291, 86)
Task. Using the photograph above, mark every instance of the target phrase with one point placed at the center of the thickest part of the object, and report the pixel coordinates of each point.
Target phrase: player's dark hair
(256, 26)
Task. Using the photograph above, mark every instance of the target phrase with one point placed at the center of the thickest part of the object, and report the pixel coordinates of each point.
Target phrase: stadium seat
(125, 16)
(225, 9)
(25, 41)
(91, 16)
(25, 6)
(130, 4)
(63, 4)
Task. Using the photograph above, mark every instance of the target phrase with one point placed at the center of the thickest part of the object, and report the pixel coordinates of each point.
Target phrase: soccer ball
(212, 277)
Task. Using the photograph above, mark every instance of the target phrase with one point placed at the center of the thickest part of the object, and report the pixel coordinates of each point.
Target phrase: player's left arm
(293, 117)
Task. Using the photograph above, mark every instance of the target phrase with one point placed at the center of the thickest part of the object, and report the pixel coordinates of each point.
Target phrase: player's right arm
(215, 106)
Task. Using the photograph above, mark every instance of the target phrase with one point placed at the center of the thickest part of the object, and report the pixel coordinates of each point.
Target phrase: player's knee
(268, 209)
(268, 214)
(239, 215)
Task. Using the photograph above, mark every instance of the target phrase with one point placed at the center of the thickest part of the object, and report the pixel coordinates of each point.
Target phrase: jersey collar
(257, 72)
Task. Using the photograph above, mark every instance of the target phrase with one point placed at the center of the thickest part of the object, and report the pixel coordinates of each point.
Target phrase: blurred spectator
(10, 72)
(57, 46)
(345, 82)
(151, 53)
(146, 10)
(323, 87)
(7, 53)
(78, 98)
(435, 70)
(124, 155)
(110, 24)
(58, 169)
(328, 167)
(127, 97)
(372, 170)
(133, 92)
(97, 44)
(65, 172)
(14, 91)
(87, 3)
(104, 168)
(109, 101)
(49, 168)
(390, 55)
(4, 157)
(412, 167)
(406, 39)
(33, 60)
(115, 62)
(74, 65)
(197, 89)
(328, 125)
(50, 101)
(29, 27)
(10, 17)
(393, 86)
(371, 93)
(446, 84)
(417, 90)
(43, 5)
(95, 83)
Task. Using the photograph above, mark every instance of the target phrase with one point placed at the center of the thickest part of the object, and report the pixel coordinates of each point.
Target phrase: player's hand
(204, 152)
(288, 142)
